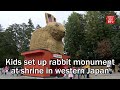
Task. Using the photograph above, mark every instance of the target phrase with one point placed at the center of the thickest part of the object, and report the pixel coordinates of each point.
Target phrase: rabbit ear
(49, 18)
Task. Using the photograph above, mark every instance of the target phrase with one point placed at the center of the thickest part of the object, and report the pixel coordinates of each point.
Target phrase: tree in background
(97, 31)
(108, 34)
(90, 37)
(21, 34)
(115, 41)
(14, 40)
(8, 48)
(104, 49)
(74, 38)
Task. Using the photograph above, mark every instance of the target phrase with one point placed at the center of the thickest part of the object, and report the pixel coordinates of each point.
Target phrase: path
(100, 76)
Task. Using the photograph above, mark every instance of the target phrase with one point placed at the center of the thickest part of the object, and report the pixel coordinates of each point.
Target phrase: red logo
(110, 20)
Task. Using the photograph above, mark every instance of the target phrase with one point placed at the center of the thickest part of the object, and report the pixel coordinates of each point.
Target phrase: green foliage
(115, 40)
(21, 34)
(8, 48)
(86, 35)
(74, 38)
(14, 40)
